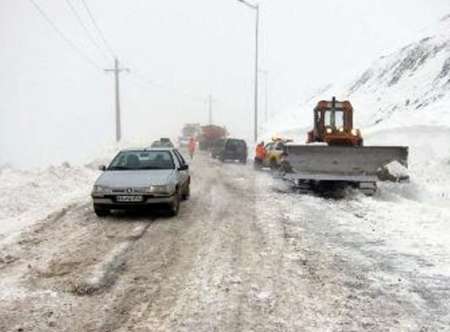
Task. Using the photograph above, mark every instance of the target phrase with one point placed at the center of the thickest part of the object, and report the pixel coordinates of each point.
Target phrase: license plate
(129, 198)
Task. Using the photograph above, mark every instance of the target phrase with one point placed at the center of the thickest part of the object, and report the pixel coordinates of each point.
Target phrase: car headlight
(101, 189)
(164, 189)
(329, 130)
(355, 132)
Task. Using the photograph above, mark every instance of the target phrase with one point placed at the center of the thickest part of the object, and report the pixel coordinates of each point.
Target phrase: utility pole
(210, 114)
(256, 71)
(255, 7)
(117, 70)
(266, 93)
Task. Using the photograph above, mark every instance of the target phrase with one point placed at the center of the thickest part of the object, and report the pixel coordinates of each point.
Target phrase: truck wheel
(175, 206)
(101, 212)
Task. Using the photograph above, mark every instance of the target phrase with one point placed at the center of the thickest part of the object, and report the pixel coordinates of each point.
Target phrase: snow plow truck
(336, 157)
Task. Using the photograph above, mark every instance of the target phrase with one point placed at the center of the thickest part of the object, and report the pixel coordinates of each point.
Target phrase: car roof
(236, 139)
(162, 148)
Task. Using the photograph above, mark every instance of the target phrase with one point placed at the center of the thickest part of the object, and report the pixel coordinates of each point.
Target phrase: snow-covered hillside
(408, 87)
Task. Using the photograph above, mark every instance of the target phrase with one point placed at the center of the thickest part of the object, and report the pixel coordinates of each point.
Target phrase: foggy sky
(55, 106)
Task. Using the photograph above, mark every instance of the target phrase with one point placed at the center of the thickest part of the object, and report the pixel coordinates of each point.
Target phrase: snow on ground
(429, 162)
(401, 236)
(29, 196)
(395, 246)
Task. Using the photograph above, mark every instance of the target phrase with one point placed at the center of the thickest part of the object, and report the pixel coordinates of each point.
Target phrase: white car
(142, 178)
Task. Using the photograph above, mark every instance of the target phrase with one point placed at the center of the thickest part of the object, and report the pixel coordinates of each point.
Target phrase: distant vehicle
(142, 178)
(190, 130)
(209, 135)
(275, 153)
(163, 142)
(183, 142)
(217, 146)
(230, 149)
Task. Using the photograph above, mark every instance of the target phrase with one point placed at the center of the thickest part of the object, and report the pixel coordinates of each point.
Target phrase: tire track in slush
(150, 288)
(105, 273)
(59, 261)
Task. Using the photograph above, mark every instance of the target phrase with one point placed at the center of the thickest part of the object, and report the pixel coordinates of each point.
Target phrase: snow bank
(429, 168)
(397, 170)
(29, 196)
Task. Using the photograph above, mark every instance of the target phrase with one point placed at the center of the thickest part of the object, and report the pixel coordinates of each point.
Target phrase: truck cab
(333, 124)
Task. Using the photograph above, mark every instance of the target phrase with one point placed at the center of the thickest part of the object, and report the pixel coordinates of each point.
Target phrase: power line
(86, 30)
(143, 79)
(99, 31)
(63, 36)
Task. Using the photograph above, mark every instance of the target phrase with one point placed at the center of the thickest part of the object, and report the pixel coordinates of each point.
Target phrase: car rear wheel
(175, 206)
(101, 212)
(187, 192)
(273, 165)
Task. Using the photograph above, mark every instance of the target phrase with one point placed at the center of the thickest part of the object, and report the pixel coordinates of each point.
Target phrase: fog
(56, 105)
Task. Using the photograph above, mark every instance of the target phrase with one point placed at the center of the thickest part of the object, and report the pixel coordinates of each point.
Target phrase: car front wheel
(101, 212)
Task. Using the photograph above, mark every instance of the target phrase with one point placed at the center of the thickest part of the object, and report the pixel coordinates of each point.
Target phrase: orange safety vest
(191, 145)
(260, 152)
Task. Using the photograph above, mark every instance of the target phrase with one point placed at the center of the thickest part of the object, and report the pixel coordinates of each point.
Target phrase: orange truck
(209, 135)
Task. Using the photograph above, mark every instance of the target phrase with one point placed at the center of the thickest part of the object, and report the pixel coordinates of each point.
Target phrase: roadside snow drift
(28, 196)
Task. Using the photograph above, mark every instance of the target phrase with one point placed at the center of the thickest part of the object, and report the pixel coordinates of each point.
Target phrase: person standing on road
(191, 147)
(260, 154)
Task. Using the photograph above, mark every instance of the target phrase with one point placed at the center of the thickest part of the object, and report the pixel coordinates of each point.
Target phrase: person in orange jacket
(260, 154)
(191, 147)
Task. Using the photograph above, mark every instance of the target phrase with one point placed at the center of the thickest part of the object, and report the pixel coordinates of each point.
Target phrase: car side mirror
(102, 168)
(183, 168)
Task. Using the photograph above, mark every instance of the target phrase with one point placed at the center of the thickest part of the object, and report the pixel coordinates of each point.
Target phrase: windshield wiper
(118, 168)
(153, 167)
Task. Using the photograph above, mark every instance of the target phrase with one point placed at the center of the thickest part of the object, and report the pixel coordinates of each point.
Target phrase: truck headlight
(329, 131)
(355, 132)
(341, 129)
(101, 189)
(164, 189)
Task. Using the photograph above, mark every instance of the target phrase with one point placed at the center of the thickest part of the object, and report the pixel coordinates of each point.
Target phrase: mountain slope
(408, 87)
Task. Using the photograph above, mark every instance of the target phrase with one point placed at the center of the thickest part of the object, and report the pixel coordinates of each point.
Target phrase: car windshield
(234, 144)
(220, 143)
(334, 119)
(138, 160)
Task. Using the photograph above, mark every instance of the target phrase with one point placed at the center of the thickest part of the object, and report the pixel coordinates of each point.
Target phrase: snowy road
(241, 256)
